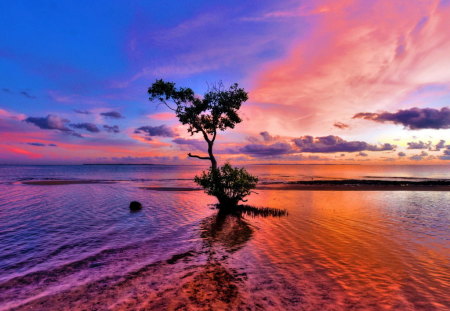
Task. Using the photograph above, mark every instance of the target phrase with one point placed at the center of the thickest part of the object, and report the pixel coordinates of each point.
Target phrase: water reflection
(215, 286)
(226, 230)
(230, 230)
(360, 250)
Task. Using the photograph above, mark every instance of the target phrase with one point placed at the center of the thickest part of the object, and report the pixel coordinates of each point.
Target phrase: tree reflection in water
(215, 286)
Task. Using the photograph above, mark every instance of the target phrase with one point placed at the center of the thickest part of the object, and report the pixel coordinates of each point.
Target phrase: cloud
(111, 129)
(446, 154)
(418, 157)
(42, 145)
(291, 13)
(253, 139)
(23, 93)
(266, 136)
(37, 144)
(195, 143)
(413, 118)
(341, 125)
(27, 95)
(112, 115)
(90, 127)
(402, 154)
(263, 137)
(356, 56)
(52, 122)
(203, 50)
(419, 145)
(362, 154)
(11, 115)
(164, 116)
(82, 111)
(161, 130)
(439, 145)
(261, 150)
(330, 144)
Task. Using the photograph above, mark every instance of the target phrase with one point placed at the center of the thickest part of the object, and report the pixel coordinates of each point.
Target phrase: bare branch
(198, 157)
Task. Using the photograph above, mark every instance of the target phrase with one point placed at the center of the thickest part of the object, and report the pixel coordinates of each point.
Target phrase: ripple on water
(76, 246)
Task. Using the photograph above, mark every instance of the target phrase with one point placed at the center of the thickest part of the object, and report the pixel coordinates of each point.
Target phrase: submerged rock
(135, 205)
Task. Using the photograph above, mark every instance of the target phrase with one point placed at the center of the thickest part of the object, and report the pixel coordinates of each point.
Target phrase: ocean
(78, 247)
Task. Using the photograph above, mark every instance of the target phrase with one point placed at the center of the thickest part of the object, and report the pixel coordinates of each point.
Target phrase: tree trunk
(211, 156)
(226, 202)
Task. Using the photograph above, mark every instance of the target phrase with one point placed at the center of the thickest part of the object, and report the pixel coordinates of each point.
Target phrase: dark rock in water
(135, 205)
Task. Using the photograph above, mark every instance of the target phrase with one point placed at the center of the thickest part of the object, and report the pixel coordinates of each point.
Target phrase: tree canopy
(217, 110)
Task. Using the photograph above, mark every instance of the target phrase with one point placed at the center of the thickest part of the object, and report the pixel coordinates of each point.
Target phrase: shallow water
(66, 247)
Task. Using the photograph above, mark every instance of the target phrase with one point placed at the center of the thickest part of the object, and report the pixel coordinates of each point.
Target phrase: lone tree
(217, 110)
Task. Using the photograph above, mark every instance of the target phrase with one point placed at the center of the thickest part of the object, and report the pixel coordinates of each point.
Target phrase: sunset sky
(337, 81)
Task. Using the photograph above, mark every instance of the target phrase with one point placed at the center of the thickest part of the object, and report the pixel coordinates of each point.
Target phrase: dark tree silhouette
(217, 110)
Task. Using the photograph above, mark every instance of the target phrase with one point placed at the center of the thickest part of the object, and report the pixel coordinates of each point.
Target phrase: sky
(329, 81)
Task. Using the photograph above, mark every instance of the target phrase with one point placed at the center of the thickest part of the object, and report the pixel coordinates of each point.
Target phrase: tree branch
(166, 104)
(205, 136)
(198, 157)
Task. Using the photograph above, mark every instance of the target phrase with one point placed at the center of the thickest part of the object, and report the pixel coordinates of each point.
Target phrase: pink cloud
(13, 152)
(360, 55)
(11, 115)
(162, 116)
(306, 10)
